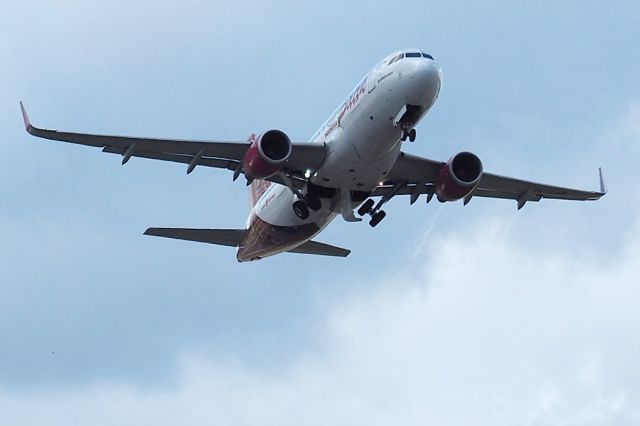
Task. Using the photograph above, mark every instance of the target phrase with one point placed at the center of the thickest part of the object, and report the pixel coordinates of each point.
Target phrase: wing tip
(25, 118)
(150, 231)
(603, 185)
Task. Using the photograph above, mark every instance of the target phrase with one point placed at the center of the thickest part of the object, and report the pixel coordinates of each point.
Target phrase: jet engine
(266, 155)
(458, 177)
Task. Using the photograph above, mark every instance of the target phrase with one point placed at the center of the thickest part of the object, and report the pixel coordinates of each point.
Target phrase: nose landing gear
(405, 119)
(410, 134)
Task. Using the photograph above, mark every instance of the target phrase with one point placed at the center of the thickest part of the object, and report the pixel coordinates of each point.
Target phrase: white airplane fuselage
(363, 141)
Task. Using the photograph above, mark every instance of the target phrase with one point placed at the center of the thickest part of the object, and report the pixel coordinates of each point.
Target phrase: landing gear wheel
(377, 218)
(366, 207)
(313, 202)
(412, 135)
(300, 209)
(405, 135)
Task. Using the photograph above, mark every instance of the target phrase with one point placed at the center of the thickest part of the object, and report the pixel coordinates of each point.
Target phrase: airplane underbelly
(363, 151)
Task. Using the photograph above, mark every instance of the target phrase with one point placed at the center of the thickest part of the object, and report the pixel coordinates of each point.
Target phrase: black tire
(404, 136)
(366, 207)
(412, 135)
(377, 218)
(300, 209)
(313, 202)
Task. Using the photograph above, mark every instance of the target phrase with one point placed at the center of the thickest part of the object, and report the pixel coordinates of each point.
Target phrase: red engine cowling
(458, 177)
(266, 155)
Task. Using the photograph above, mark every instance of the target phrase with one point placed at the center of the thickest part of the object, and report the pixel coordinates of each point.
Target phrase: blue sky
(443, 314)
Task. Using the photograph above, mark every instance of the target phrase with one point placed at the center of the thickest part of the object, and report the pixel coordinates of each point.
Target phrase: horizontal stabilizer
(223, 237)
(314, 247)
(234, 237)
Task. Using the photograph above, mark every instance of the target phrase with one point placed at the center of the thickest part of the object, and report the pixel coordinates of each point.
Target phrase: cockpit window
(409, 55)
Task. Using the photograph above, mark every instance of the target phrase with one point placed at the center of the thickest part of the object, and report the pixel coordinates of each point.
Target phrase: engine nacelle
(458, 177)
(266, 155)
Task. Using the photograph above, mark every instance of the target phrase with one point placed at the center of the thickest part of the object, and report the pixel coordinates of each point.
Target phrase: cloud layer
(486, 331)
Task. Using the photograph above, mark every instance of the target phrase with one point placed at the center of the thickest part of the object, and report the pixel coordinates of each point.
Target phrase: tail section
(234, 237)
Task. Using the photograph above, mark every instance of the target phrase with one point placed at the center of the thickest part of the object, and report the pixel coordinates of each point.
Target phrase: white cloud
(486, 331)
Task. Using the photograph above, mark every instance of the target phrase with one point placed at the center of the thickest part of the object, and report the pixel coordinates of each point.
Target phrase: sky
(443, 314)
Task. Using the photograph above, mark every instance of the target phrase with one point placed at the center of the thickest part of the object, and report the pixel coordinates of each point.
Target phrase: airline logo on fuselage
(350, 103)
(353, 99)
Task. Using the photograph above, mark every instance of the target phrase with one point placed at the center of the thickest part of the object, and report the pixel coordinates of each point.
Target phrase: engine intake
(266, 155)
(458, 177)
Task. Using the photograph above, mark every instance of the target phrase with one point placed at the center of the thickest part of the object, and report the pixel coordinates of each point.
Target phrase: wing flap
(177, 158)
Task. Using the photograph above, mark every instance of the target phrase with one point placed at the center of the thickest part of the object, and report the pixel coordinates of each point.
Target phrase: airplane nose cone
(425, 79)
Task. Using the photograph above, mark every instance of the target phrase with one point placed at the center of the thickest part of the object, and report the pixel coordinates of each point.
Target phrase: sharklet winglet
(25, 118)
(603, 185)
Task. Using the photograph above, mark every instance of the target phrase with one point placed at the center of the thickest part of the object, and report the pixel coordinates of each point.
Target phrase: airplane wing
(413, 175)
(219, 154)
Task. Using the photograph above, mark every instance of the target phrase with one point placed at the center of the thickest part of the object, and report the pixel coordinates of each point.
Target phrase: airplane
(297, 188)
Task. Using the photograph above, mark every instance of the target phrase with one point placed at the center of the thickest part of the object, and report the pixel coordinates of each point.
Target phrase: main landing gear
(304, 203)
(376, 218)
(376, 214)
(365, 207)
(301, 207)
